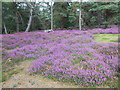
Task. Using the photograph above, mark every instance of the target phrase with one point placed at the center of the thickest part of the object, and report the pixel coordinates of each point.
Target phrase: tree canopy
(16, 15)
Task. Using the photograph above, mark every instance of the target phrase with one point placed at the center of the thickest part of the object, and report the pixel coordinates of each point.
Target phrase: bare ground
(24, 80)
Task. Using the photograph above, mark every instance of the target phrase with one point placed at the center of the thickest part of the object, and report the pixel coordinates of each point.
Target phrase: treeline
(20, 16)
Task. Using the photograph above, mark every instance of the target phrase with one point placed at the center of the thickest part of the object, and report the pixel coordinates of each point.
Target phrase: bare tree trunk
(20, 17)
(30, 20)
(51, 16)
(5, 29)
(17, 22)
(80, 18)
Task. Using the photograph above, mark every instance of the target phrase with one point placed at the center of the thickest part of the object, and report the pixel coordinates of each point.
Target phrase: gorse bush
(66, 55)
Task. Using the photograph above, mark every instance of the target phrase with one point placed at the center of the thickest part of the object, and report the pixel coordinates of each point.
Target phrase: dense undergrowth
(68, 55)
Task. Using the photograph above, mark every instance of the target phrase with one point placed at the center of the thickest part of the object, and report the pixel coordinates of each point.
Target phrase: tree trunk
(5, 29)
(17, 22)
(30, 20)
(80, 18)
(51, 16)
(20, 17)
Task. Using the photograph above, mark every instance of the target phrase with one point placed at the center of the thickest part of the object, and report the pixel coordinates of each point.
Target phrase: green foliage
(105, 38)
(7, 75)
(15, 85)
(93, 20)
(65, 15)
(78, 59)
(32, 83)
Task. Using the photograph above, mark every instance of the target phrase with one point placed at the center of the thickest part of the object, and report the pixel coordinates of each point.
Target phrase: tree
(61, 15)
(80, 18)
(51, 15)
(108, 12)
(24, 16)
(30, 18)
(5, 29)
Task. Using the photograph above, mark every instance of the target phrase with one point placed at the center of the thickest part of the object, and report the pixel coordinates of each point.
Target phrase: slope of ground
(23, 80)
(68, 56)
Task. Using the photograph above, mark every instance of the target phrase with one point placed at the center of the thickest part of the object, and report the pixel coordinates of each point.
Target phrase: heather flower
(67, 55)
